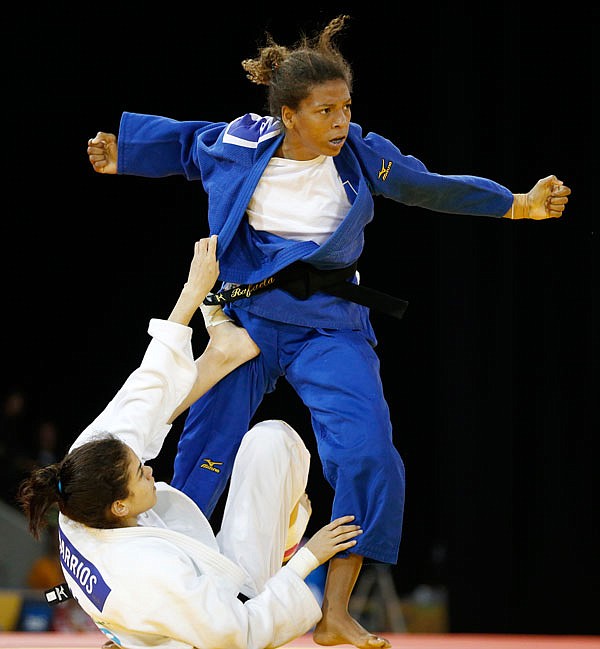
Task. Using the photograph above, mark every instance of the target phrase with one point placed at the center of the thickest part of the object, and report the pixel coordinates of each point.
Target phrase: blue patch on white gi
(84, 572)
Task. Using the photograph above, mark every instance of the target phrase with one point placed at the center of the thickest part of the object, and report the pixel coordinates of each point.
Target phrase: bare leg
(337, 626)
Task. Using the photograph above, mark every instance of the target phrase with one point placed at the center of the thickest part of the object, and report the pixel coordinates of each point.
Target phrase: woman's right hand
(337, 536)
(202, 276)
(103, 153)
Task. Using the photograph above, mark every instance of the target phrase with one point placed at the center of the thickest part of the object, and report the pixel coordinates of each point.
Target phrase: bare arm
(202, 276)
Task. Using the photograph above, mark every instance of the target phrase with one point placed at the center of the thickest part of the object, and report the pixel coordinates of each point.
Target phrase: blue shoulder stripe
(83, 572)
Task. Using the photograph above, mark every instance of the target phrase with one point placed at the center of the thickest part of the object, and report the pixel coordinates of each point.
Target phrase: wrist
(303, 562)
(184, 308)
(519, 208)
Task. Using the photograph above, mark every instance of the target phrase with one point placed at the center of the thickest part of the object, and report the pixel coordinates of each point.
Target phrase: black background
(489, 375)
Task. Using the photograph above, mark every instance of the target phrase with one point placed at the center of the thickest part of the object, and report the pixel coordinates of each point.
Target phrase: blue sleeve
(406, 179)
(154, 147)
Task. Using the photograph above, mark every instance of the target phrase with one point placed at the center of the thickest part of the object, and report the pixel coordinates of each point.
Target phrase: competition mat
(32, 640)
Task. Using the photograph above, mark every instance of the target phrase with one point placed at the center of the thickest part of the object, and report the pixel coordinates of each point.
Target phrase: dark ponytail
(37, 494)
(84, 485)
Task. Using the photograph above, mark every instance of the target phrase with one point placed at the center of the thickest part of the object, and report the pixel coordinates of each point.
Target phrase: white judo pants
(269, 478)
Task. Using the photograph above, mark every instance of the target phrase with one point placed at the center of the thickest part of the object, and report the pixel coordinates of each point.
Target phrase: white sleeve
(139, 412)
(171, 599)
(303, 562)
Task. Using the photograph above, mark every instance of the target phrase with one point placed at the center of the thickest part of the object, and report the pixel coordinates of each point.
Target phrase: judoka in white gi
(140, 557)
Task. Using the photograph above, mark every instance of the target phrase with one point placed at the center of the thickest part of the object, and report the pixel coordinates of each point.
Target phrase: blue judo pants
(336, 375)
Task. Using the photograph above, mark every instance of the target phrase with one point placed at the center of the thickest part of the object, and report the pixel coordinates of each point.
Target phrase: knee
(273, 432)
(391, 461)
(274, 437)
(380, 460)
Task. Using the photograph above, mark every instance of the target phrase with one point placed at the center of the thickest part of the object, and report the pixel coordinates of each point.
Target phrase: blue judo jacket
(229, 159)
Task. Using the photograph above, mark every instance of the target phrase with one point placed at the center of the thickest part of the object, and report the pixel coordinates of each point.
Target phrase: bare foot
(229, 346)
(230, 339)
(332, 630)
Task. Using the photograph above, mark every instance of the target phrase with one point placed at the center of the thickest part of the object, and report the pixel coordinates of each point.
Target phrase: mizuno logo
(384, 171)
(211, 465)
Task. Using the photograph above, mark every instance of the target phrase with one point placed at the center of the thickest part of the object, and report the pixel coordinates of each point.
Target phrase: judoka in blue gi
(294, 191)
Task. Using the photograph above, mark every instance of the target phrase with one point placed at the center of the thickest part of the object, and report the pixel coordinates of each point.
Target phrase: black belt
(302, 280)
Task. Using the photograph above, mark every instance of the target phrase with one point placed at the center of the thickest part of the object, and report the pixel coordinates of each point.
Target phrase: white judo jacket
(165, 583)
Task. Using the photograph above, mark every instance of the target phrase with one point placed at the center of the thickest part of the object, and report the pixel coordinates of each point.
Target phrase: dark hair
(291, 74)
(83, 485)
